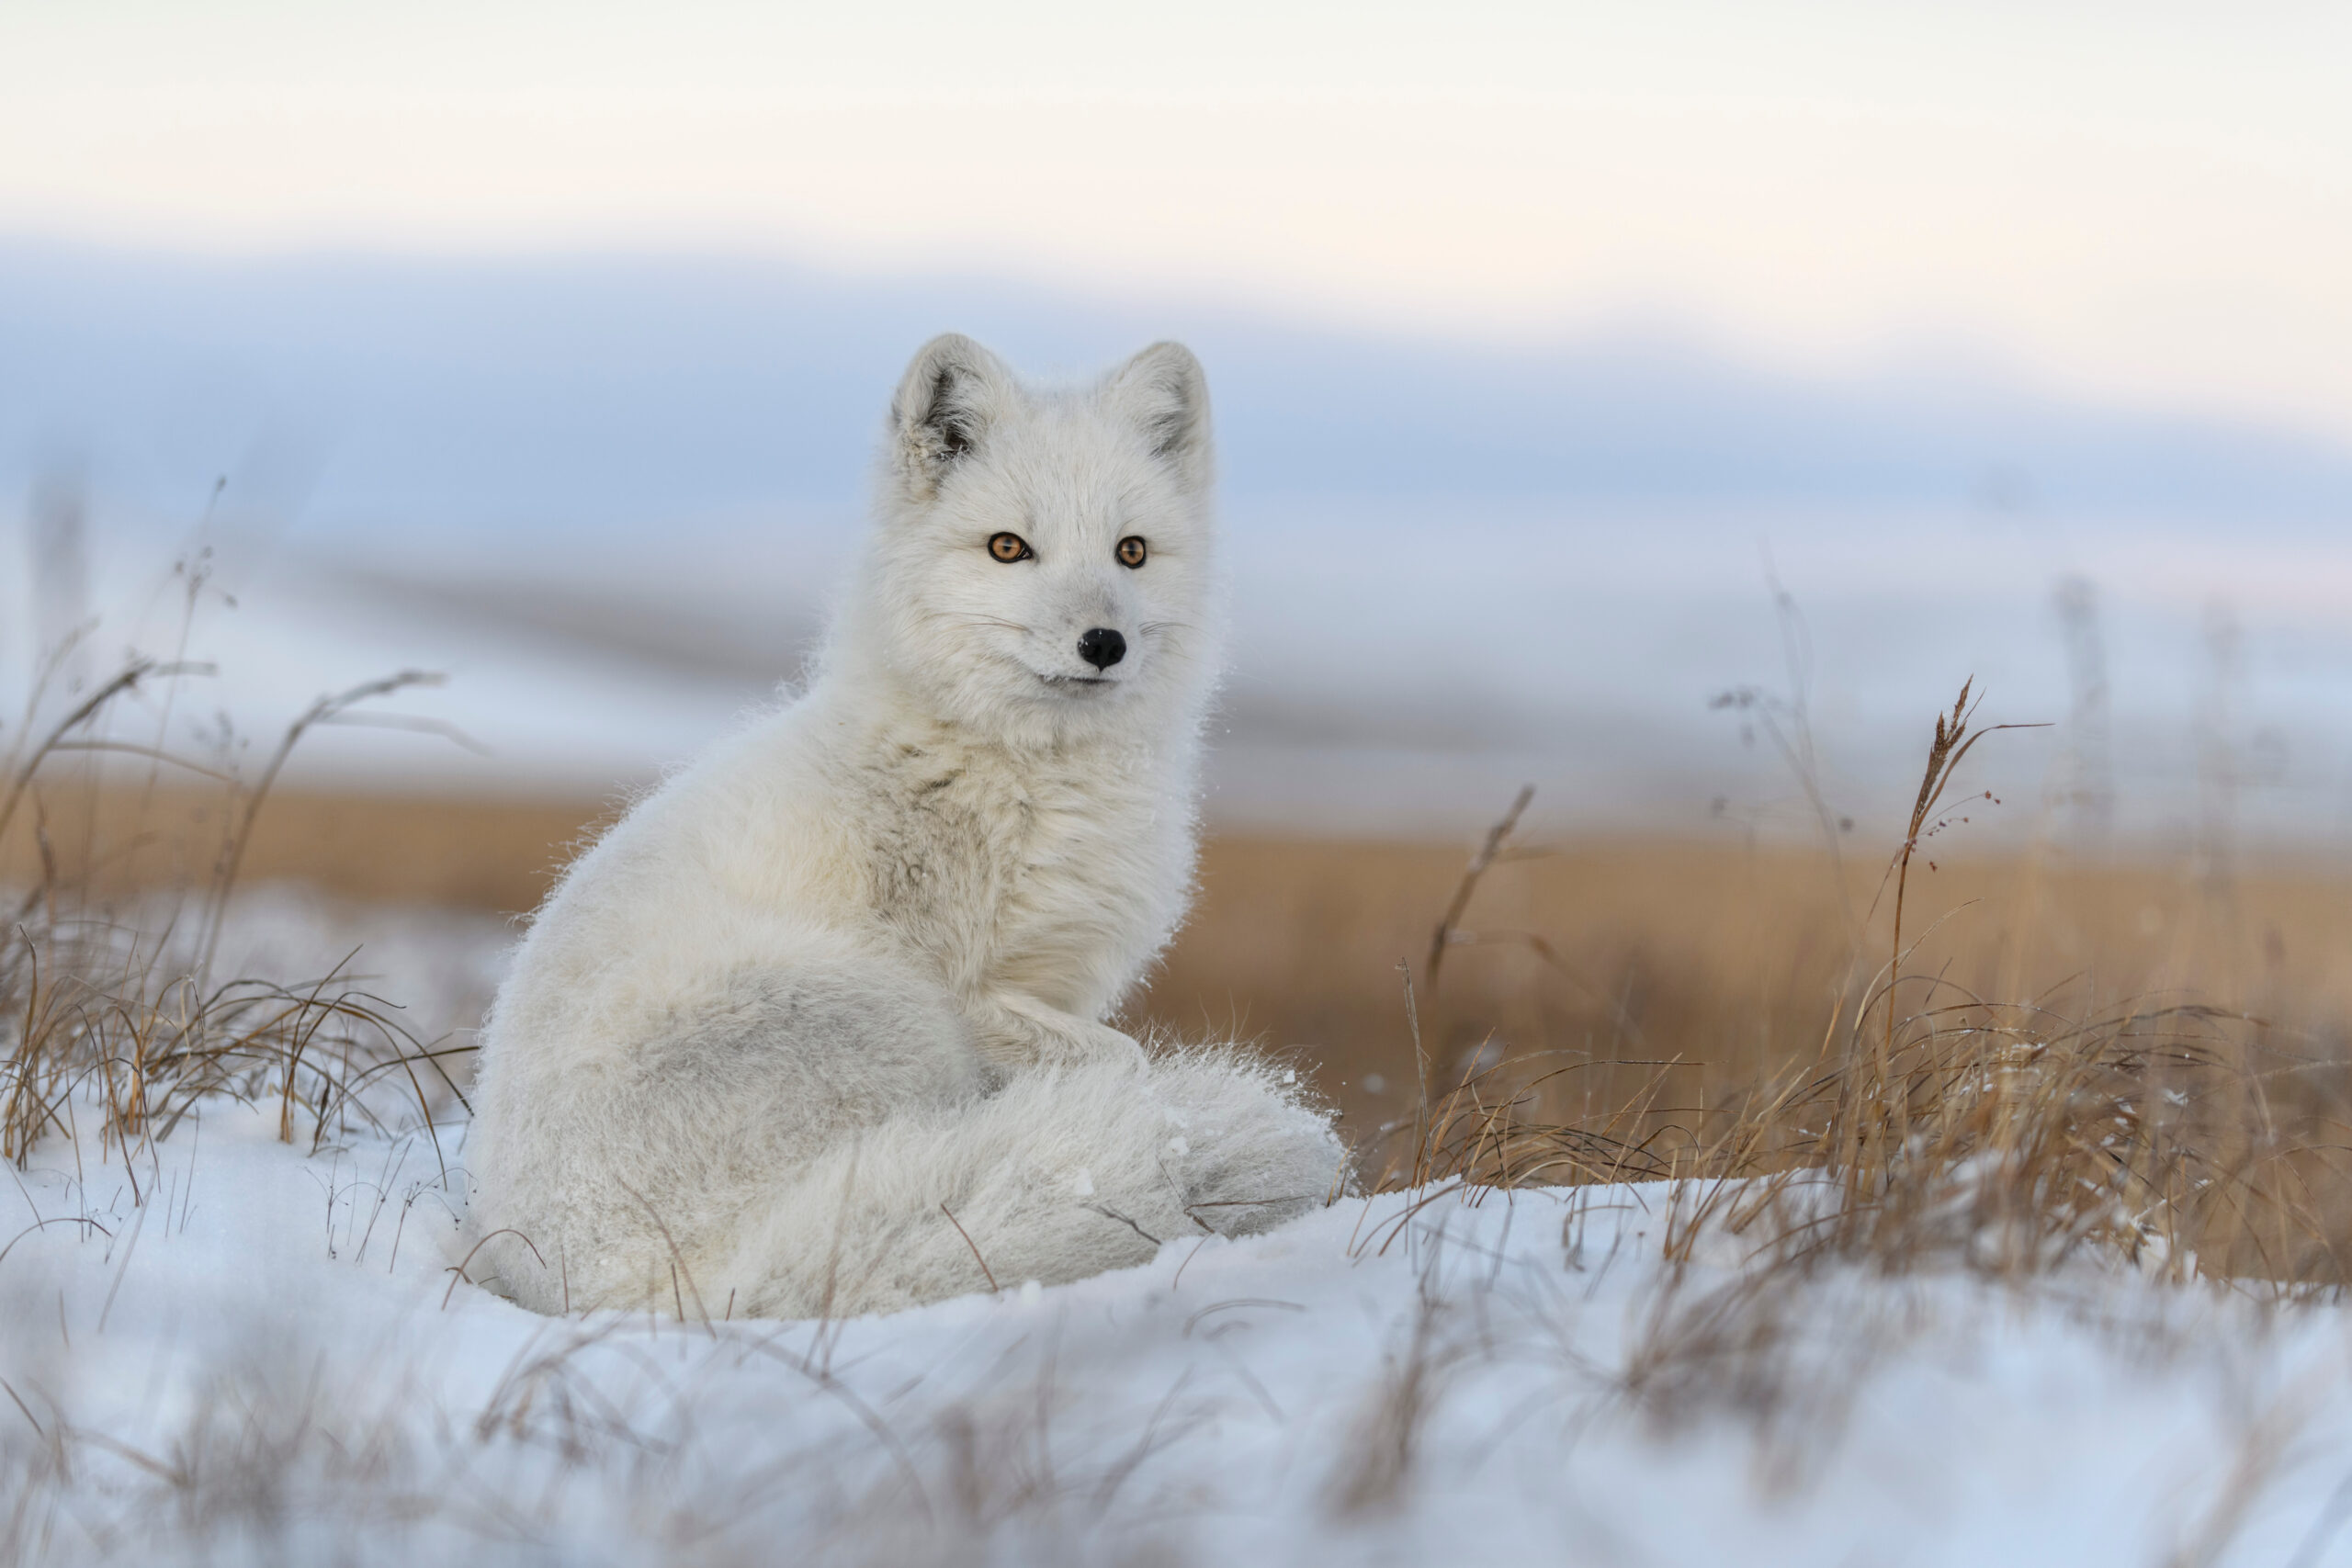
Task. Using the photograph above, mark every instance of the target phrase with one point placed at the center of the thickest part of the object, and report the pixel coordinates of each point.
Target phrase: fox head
(1043, 561)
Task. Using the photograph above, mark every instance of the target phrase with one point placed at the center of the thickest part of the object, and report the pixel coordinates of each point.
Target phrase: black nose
(1102, 647)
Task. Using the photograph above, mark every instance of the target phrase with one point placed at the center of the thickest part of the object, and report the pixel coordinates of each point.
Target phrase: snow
(262, 1352)
(241, 1349)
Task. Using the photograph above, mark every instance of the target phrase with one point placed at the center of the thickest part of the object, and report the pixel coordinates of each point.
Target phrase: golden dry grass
(468, 853)
(1717, 950)
(1726, 958)
(118, 900)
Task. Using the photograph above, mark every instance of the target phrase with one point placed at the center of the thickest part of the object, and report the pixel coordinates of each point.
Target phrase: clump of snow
(237, 1349)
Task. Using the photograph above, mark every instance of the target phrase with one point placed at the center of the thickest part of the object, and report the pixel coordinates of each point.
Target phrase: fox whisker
(977, 620)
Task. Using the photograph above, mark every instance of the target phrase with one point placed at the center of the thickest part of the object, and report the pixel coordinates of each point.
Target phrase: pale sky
(2147, 203)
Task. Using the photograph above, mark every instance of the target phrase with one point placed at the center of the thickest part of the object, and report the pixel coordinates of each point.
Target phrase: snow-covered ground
(268, 1359)
(238, 1350)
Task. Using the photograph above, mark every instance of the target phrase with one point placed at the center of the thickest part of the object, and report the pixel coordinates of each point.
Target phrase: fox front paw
(1100, 1042)
(1079, 1042)
(1016, 1038)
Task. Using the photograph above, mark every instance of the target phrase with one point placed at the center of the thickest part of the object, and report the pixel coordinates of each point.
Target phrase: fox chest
(1063, 886)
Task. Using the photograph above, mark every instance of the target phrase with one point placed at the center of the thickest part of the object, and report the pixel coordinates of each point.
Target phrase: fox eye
(1132, 551)
(1010, 547)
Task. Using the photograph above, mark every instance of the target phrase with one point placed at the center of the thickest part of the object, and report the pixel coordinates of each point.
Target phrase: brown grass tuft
(107, 984)
(1930, 1125)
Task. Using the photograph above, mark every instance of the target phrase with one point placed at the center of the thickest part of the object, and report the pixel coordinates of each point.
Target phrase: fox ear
(948, 398)
(1166, 395)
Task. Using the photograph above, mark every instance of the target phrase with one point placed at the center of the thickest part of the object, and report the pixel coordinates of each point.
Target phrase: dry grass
(107, 989)
(1920, 1111)
(1608, 1011)
(1711, 952)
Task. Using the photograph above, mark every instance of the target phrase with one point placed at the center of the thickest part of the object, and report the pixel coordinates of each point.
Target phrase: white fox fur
(848, 974)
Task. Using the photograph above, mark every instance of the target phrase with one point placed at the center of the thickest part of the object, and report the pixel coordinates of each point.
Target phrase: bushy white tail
(1063, 1173)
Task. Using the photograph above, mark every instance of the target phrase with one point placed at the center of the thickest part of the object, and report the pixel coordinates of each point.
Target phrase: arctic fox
(819, 1026)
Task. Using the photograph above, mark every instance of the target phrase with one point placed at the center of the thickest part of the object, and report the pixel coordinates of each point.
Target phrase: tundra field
(1704, 1215)
(1728, 957)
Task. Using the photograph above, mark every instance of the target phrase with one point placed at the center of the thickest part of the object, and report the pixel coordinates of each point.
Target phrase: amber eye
(1010, 547)
(1131, 550)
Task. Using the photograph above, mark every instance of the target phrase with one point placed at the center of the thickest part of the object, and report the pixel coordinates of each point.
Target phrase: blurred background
(1665, 405)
